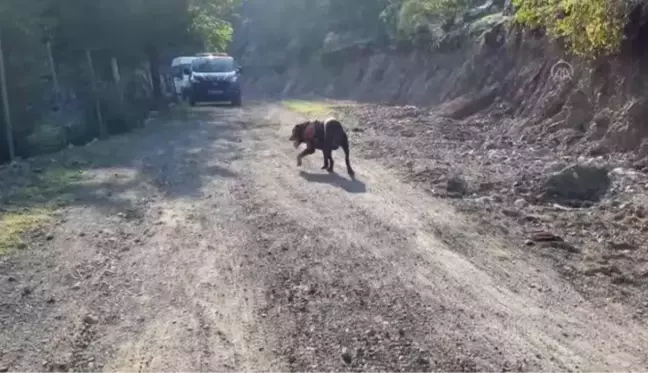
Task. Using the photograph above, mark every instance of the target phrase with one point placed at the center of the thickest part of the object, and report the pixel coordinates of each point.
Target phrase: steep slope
(489, 67)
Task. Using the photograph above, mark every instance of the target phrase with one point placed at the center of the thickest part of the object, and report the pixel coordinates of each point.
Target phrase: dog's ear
(299, 127)
(295, 134)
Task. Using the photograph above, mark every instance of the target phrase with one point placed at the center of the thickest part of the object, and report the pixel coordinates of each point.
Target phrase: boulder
(467, 105)
(577, 183)
(456, 186)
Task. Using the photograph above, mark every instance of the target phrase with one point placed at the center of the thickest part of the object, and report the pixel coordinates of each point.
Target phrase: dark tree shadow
(223, 104)
(175, 156)
(349, 185)
(219, 171)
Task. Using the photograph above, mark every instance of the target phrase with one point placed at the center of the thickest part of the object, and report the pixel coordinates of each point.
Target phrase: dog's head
(297, 135)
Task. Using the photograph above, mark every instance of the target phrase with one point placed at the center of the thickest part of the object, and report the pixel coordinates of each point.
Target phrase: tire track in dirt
(419, 243)
(322, 309)
(237, 261)
(164, 285)
(202, 267)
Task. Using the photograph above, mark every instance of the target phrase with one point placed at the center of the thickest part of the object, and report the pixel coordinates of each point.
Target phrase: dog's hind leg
(328, 155)
(345, 148)
(305, 152)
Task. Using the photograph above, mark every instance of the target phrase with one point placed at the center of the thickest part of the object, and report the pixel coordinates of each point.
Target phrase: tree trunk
(117, 78)
(154, 65)
(52, 66)
(5, 106)
(102, 128)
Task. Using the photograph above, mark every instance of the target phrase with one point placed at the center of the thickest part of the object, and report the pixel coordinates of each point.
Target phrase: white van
(179, 65)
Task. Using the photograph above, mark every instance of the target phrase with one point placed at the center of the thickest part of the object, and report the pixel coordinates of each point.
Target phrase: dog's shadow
(349, 185)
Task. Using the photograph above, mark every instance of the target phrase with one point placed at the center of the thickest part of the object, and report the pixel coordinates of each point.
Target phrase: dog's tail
(345, 148)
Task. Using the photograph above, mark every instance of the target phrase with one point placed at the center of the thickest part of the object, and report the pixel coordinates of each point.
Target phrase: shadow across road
(349, 185)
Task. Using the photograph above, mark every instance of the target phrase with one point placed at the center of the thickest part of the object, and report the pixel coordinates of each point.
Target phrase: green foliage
(210, 22)
(423, 23)
(278, 31)
(310, 109)
(416, 13)
(43, 191)
(136, 32)
(389, 16)
(214, 32)
(30, 199)
(356, 16)
(590, 28)
(281, 30)
(14, 225)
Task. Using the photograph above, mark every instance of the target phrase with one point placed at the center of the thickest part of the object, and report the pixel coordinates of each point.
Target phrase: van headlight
(233, 79)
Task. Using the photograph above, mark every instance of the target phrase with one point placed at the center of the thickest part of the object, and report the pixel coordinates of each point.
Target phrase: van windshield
(179, 69)
(213, 65)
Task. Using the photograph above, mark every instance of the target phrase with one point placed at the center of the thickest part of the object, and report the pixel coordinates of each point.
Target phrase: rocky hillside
(487, 67)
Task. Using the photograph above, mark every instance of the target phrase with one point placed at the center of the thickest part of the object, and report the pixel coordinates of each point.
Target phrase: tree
(144, 27)
(5, 105)
(133, 31)
(590, 28)
(15, 20)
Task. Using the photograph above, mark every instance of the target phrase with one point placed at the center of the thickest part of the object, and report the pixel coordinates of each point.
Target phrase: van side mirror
(186, 71)
(239, 69)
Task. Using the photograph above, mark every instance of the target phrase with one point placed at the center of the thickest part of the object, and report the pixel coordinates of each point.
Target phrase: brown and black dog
(326, 136)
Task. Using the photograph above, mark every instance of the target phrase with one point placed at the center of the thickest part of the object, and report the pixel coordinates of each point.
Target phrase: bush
(590, 28)
(416, 13)
(120, 116)
(47, 138)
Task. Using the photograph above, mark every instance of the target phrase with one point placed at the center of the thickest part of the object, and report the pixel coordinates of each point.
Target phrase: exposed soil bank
(502, 74)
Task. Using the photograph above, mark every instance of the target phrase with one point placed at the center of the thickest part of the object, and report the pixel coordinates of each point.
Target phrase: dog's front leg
(305, 152)
(326, 161)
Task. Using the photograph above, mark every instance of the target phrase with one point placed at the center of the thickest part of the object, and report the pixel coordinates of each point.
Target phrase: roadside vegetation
(29, 199)
(76, 70)
(590, 28)
(55, 98)
(310, 109)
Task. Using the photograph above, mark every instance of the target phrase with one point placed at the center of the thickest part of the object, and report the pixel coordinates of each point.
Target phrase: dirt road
(200, 245)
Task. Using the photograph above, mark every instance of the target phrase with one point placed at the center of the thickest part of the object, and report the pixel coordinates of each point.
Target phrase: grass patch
(14, 225)
(47, 189)
(181, 110)
(28, 199)
(310, 108)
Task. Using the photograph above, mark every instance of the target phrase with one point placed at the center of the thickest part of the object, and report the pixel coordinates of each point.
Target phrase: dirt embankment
(500, 71)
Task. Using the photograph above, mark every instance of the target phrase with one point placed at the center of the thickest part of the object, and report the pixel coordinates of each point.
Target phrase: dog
(326, 136)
